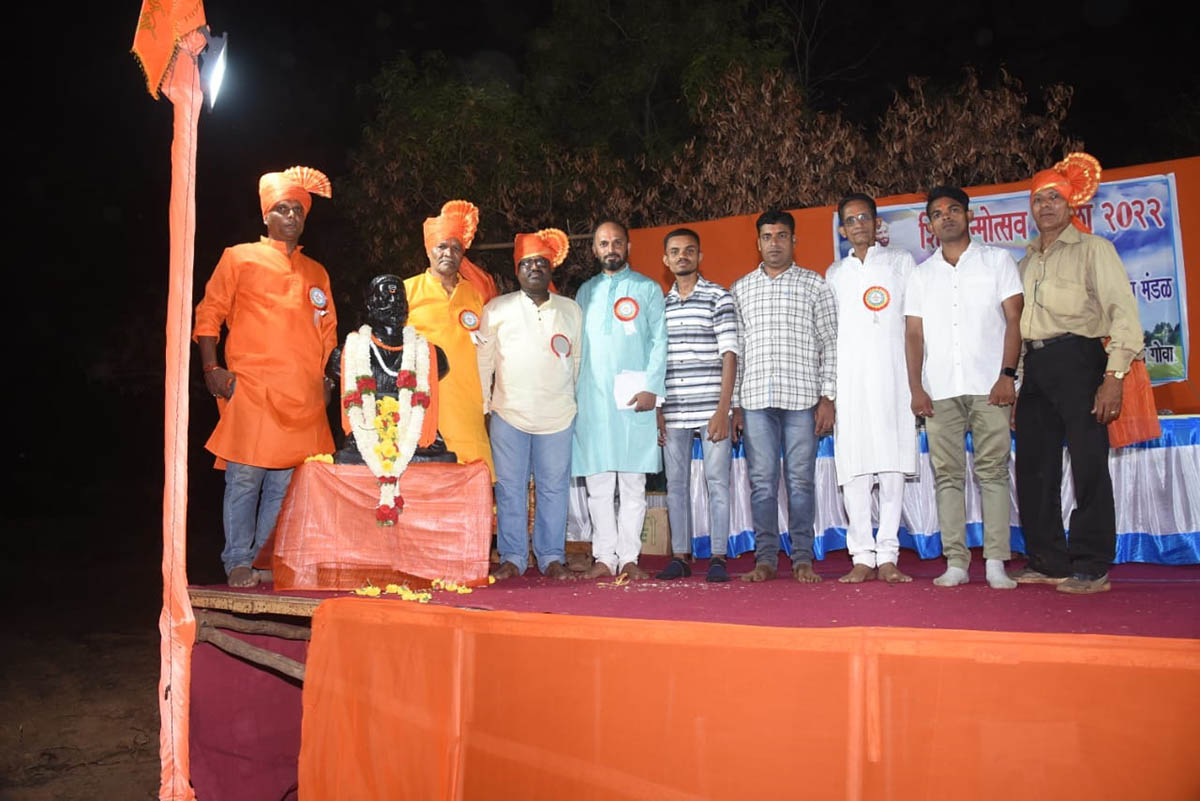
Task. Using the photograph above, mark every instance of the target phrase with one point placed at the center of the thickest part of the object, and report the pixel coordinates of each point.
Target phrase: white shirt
(961, 314)
(535, 387)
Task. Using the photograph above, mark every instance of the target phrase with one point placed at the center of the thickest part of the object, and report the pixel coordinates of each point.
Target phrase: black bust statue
(387, 312)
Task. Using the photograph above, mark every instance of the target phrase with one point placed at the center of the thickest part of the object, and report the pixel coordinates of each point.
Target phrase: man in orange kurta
(276, 304)
(445, 304)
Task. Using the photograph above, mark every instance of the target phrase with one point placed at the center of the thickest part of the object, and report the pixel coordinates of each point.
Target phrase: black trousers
(1058, 391)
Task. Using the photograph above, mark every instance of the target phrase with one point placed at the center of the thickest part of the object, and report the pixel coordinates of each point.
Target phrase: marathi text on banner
(1139, 216)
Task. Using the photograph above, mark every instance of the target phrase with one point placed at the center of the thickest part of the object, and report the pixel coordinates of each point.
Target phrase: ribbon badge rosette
(469, 320)
(626, 310)
(386, 429)
(876, 299)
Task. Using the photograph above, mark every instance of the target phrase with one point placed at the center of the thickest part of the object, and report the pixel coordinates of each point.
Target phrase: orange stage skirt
(405, 701)
(327, 538)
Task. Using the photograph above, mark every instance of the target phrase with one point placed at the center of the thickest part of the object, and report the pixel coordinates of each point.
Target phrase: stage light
(212, 65)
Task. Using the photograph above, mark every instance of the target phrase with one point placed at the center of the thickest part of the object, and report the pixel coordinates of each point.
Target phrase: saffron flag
(161, 24)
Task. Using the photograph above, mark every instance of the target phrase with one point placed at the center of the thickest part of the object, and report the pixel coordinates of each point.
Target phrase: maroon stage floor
(245, 721)
(1146, 600)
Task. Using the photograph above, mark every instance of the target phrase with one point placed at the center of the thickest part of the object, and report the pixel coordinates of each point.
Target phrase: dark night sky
(92, 147)
(95, 134)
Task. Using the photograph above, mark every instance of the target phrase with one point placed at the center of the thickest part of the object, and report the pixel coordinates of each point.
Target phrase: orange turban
(549, 242)
(294, 183)
(1077, 177)
(458, 220)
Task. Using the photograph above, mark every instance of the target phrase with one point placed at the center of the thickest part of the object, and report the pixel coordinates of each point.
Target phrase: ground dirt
(78, 718)
(80, 594)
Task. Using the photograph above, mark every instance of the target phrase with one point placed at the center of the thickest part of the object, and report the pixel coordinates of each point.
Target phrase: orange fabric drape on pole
(162, 25)
(176, 624)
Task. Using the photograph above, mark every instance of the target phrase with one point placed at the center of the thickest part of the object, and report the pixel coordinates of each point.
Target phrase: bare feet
(761, 572)
(555, 570)
(634, 572)
(598, 570)
(506, 570)
(891, 574)
(858, 574)
(243, 576)
(578, 562)
(803, 572)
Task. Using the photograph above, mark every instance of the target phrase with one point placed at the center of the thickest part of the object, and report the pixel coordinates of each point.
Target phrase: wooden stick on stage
(220, 620)
(251, 653)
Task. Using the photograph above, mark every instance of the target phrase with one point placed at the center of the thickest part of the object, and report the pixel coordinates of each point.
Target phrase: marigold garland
(388, 438)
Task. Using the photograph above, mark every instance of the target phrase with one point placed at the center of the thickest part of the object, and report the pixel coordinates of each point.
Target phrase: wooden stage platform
(534, 689)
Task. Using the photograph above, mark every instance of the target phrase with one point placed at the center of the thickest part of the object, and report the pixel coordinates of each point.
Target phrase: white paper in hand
(626, 384)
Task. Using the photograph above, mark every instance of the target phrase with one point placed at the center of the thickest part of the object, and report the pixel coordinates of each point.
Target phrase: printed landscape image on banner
(1139, 216)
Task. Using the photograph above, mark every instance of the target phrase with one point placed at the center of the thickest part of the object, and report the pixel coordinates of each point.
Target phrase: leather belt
(1038, 344)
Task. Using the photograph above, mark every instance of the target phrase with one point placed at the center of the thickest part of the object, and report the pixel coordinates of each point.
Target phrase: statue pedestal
(327, 538)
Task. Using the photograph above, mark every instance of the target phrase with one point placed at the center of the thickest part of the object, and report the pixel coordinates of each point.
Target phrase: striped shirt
(701, 328)
(787, 338)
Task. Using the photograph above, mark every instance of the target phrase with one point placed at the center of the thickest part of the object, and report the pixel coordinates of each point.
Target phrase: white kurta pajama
(875, 431)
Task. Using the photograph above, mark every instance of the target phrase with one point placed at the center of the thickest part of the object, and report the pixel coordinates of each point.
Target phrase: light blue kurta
(607, 439)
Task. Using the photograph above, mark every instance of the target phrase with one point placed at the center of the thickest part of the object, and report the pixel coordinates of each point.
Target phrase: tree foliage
(622, 75)
(434, 137)
(967, 135)
(621, 115)
(761, 146)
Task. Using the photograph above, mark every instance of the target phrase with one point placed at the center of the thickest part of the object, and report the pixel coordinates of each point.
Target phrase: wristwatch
(829, 395)
(1117, 374)
(1011, 372)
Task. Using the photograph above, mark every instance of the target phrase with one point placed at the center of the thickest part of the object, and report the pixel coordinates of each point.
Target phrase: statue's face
(387, 305)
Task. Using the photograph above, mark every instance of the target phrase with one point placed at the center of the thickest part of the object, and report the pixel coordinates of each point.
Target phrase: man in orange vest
(276, 304)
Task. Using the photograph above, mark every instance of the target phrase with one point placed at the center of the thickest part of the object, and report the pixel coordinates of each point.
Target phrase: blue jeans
(767, 432)
(253, 496)
(516, 454)
(677, 459)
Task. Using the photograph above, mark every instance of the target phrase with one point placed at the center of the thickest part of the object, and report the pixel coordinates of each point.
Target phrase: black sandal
(717, 571)
(676, 568)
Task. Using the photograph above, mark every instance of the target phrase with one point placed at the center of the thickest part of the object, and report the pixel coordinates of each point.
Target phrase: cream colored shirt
(1079, 286)
(534, 388)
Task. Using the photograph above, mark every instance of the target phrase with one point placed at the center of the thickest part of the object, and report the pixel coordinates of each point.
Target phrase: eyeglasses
(857, 219)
